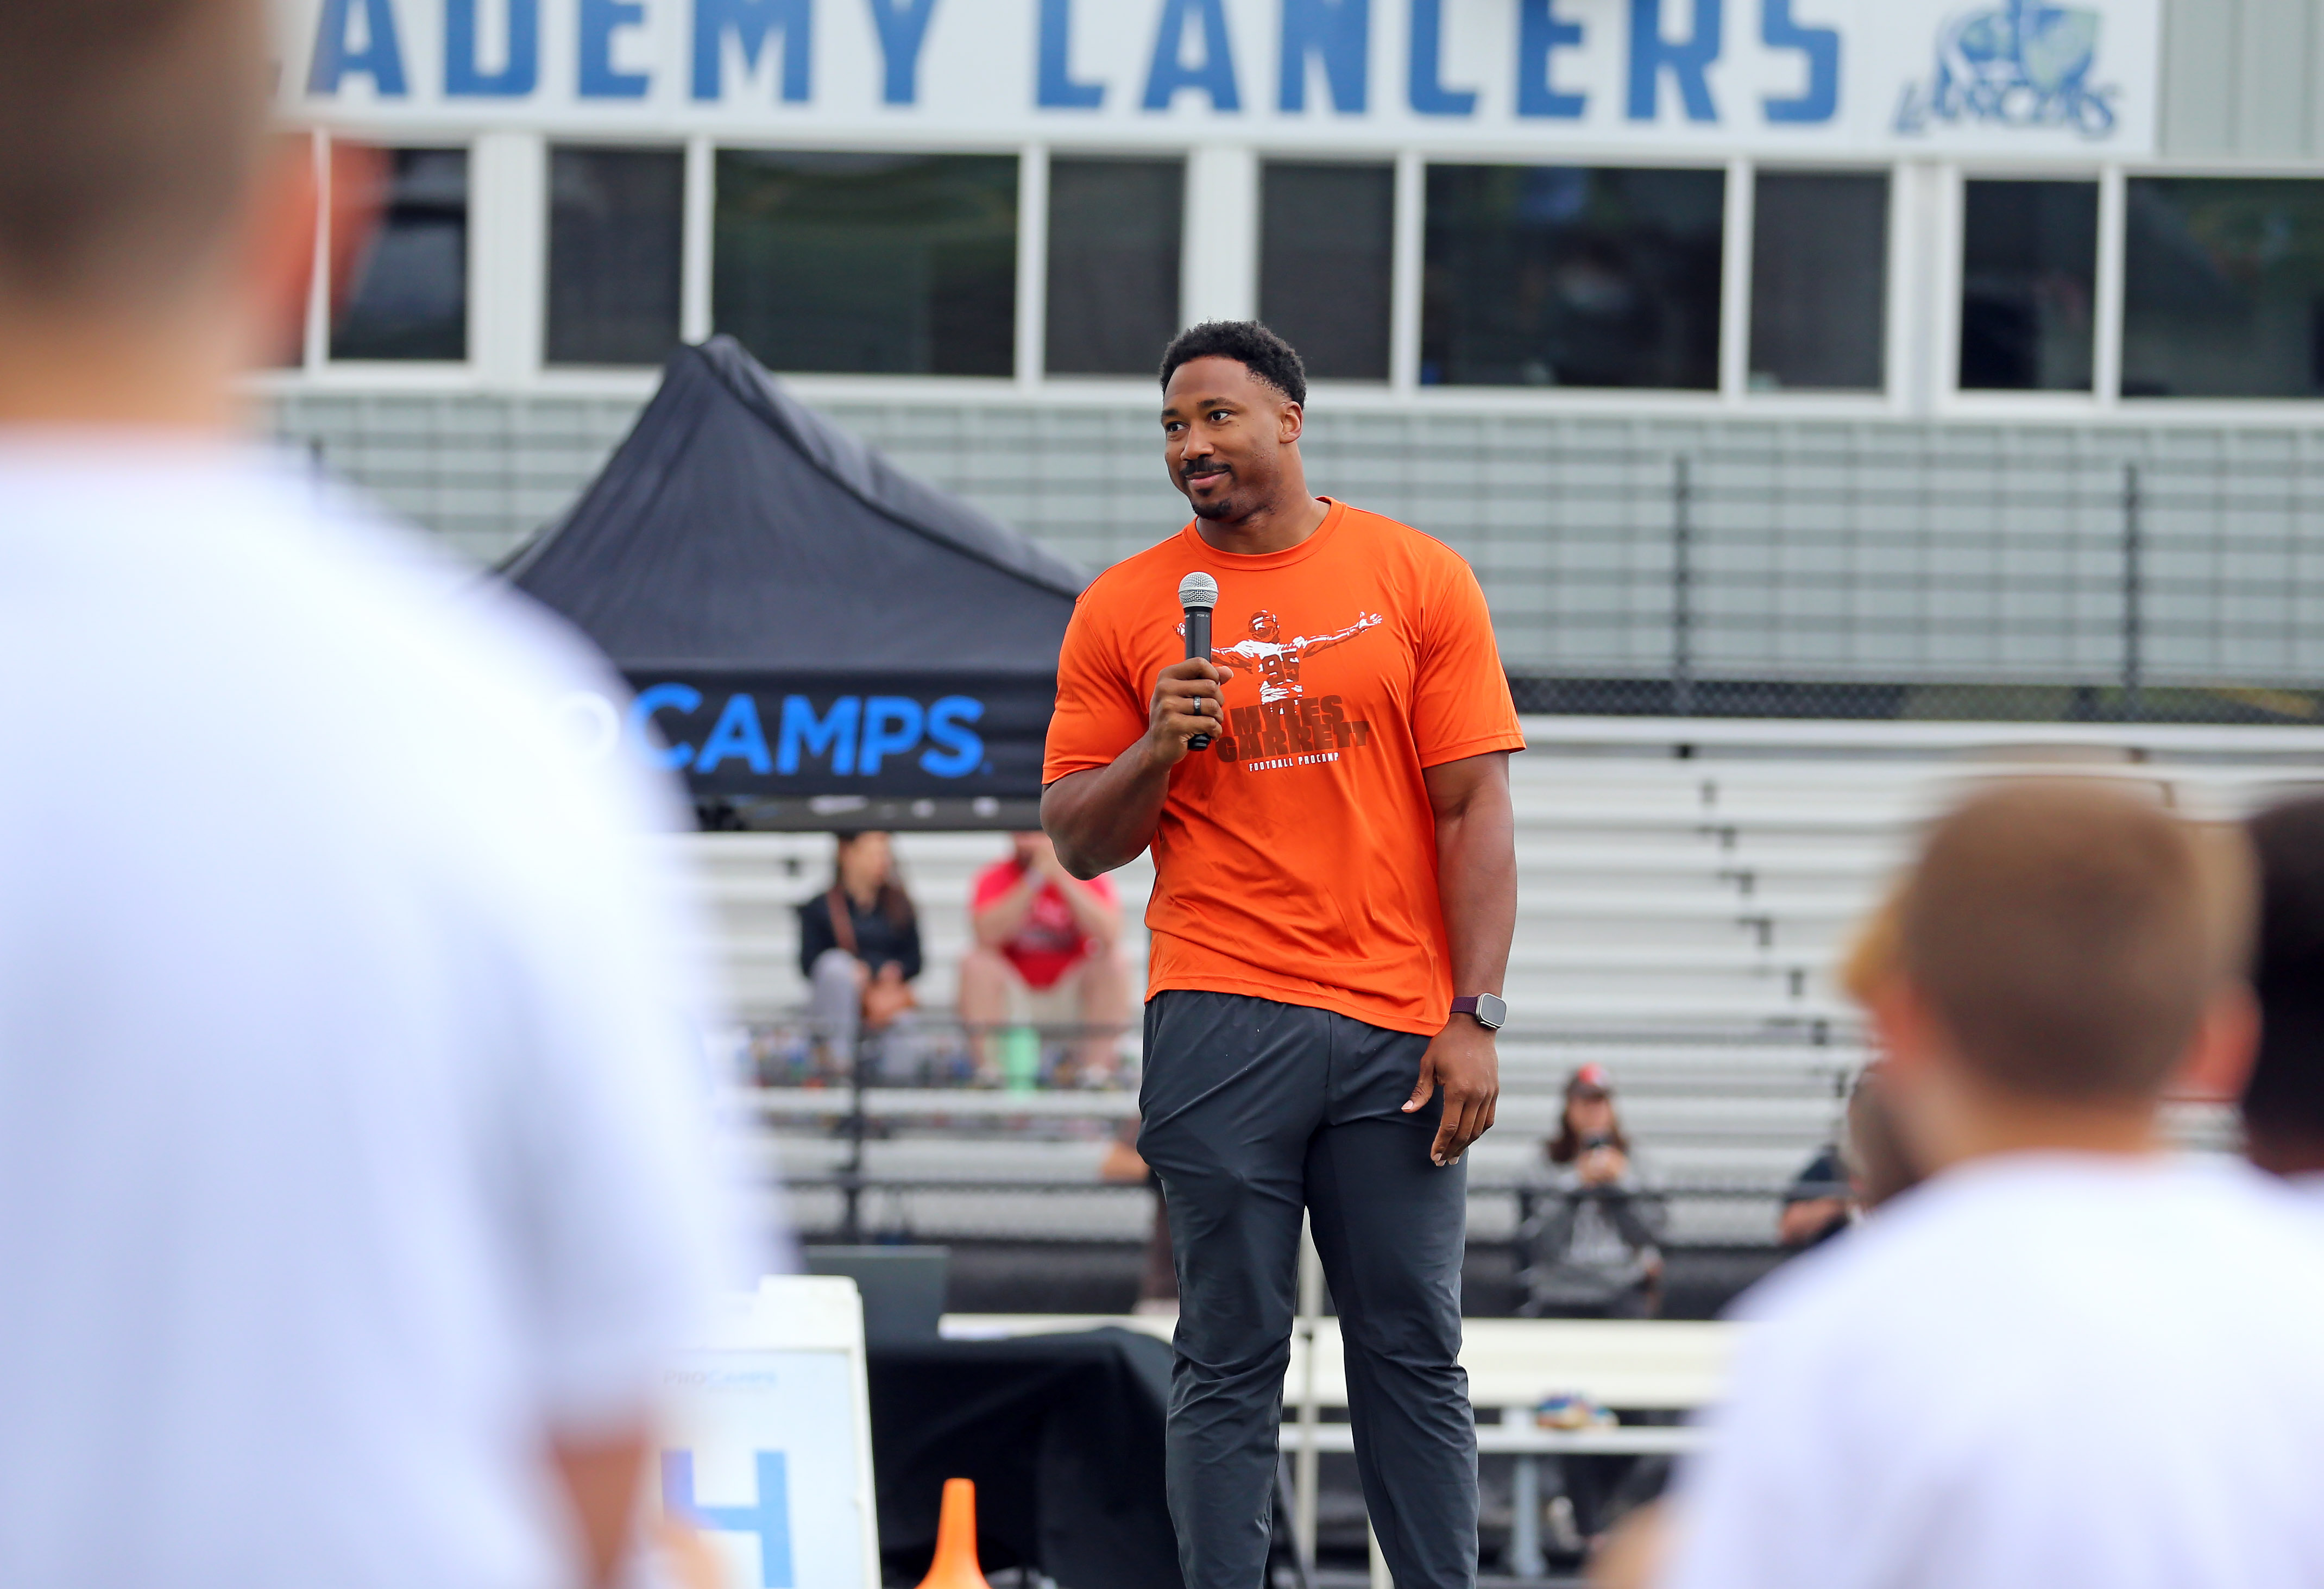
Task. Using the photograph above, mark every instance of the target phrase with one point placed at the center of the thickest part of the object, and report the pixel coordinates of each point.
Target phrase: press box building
(1855, 355)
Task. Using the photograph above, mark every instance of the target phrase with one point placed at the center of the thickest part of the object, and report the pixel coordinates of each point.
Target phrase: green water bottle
(1021, 1059)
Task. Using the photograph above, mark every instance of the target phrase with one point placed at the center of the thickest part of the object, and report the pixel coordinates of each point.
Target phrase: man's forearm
(1000, 921)
(1105, 818)
(599, 1475)
(1477, 892)
(1477, 888)
(1093, 914)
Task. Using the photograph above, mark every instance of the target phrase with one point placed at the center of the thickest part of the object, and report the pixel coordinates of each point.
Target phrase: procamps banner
(748, 736)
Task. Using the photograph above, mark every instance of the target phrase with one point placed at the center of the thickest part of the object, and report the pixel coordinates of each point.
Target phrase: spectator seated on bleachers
(1591, 1247)
(1869, 1164)
(1047, 953)
(1865, 1169)
(860, 949)
(1816, 1204)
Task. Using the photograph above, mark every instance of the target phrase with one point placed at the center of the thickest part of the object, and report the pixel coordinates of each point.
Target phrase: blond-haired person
(2072, 1356)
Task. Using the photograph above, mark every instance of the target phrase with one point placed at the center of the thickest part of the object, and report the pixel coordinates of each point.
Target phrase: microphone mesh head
(1198, 590)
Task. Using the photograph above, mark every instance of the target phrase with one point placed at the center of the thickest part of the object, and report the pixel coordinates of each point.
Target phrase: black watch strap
(1488, 1010)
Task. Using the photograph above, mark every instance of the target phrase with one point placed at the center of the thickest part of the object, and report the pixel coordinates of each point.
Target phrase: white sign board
(770, 1452)
(1488, 77)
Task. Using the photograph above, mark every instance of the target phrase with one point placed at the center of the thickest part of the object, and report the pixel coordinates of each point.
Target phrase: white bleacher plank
(1657, 1366)
(1679, 920)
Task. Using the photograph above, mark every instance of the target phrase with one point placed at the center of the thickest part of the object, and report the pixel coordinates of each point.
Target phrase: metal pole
(1303, 1482)
(2134, 598)
(1681, 590)
(851, 1174)
(1525, 1505)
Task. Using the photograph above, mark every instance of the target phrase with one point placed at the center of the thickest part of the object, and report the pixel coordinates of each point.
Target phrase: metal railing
(934, 1086)
(1026, 1065)
(1896, 577)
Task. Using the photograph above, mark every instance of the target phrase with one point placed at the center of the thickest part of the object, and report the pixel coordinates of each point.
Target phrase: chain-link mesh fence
(1894, 576)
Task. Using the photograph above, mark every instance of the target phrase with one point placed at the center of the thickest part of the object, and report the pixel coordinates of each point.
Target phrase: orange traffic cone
(954, 1567)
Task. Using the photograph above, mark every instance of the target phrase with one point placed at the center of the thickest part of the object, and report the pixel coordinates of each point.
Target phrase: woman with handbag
(859, 949)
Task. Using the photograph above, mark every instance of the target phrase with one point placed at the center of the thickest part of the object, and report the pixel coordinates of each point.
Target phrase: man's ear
(279, 251)
(1290, 421)
(358, 175)
(341, 190)
(2220, 1057)
(1904, 1032)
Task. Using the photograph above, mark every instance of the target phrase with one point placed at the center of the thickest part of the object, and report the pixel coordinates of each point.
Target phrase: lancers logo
(2022, 64)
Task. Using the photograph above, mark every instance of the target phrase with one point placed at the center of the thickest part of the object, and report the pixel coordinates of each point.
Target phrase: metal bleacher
(1684, 891)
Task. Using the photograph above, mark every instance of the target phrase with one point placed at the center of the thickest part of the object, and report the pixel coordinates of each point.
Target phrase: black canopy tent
(814, 637)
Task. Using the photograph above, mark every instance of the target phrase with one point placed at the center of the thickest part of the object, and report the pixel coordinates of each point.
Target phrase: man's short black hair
(1248, 343)
(2283, 1100)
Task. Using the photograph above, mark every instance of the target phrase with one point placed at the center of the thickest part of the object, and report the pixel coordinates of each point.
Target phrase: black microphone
(1198, 594)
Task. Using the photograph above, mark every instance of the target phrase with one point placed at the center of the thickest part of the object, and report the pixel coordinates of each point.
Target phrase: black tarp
(804, 626)
(1062, 1436)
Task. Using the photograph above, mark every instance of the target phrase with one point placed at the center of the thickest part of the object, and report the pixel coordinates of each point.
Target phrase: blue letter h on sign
(769, 1519)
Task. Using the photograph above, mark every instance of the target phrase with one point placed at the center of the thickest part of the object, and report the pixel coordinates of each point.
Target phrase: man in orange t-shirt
(1335, 887)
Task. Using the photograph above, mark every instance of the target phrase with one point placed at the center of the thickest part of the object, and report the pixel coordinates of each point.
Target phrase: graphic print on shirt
(1277, 660)
(1287, 729)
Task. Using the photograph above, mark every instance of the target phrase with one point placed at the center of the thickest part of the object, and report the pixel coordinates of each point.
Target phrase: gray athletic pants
(1251, 1110)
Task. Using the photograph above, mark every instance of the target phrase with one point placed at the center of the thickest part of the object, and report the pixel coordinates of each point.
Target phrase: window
(2223, 288)
(411, 300)
(2029, 268)
(1115, 227)
(1571, 276)
(868, 263)
(1325, 257)
(1819, 280)
(615, 232)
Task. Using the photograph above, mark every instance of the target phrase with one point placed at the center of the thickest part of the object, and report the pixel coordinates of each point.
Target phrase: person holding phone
(1591, 1246)
(1045, 953)
(1588, 1247)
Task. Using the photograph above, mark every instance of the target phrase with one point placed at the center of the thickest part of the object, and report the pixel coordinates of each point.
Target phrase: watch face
(1490, 1010)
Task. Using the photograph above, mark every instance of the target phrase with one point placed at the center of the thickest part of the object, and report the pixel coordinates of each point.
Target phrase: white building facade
(1853, 355)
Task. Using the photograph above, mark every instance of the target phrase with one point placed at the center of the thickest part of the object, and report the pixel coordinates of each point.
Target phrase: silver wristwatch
(1489, 1009)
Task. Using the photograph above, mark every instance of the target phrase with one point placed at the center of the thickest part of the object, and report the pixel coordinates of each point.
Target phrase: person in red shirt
(1046, 953)
(1335, 888)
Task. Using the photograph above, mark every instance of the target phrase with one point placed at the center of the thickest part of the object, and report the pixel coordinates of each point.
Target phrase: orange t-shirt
(1295, 859)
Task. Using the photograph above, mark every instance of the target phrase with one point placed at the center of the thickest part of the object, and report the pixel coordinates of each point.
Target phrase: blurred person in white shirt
(2071, 1357)
(353, 1181)
(2283, 1099)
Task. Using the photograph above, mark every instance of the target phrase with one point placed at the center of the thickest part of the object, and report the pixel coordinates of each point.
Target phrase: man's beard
(1221, 506)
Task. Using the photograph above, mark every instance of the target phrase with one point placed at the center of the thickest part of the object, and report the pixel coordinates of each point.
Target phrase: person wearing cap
(1592, 1247)
(1589, 1248)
